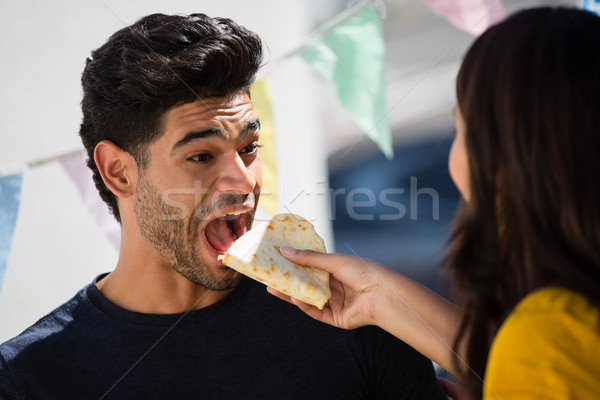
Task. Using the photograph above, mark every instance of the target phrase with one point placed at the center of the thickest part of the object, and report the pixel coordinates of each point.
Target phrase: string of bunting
(348, 50)
(342, 37)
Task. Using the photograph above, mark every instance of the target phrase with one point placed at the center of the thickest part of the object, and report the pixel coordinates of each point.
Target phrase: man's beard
(176, 244)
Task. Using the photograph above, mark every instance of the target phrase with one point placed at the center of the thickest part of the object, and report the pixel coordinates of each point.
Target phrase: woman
(524, 255)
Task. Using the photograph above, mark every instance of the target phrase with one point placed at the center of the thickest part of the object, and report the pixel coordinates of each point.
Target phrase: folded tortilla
(256, 254)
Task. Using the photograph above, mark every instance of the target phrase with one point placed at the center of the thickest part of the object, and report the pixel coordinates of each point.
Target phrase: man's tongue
(218, 235)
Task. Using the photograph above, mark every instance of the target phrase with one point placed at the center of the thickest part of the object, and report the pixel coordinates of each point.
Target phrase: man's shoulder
(44, 332)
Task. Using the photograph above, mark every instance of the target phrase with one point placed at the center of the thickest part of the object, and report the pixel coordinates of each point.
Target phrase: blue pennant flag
(592, 6)
(10, 194)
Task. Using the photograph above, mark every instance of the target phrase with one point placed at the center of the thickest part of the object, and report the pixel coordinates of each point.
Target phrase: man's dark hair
(159, 62)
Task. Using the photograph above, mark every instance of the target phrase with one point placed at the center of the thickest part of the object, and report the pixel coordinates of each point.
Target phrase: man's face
(200, 188)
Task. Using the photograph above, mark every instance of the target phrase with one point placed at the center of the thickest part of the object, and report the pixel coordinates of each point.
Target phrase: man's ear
(117, 167)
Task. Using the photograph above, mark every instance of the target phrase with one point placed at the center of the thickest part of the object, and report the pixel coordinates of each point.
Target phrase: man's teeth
(232, 215)
(235, 213)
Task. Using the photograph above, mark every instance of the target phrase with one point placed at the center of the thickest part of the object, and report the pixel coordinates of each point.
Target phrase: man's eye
(251, 148)
(201, 158)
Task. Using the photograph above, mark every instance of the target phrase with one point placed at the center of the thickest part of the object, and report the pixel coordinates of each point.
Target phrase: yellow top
(548, 348)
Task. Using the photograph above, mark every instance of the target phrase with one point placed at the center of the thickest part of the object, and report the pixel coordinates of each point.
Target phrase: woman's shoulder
(555, 302)
(551, 316)
(550, 343)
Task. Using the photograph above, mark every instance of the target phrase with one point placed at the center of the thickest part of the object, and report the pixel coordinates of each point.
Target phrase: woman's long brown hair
(529, 91)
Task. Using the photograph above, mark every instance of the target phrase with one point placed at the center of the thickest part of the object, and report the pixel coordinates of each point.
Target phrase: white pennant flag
(75, 166)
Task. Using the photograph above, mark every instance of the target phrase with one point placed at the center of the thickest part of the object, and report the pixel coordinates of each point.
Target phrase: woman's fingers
(344, 267)
(323, 315)
(277, 293)
(353, 281)
(326, 261)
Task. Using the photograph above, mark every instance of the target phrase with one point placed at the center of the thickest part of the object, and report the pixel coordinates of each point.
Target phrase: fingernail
(287, 250)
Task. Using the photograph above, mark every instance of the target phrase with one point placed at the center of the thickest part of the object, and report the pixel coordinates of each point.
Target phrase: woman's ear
(117, 167)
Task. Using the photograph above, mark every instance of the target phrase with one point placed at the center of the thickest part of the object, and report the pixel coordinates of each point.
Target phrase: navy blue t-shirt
(250, 345)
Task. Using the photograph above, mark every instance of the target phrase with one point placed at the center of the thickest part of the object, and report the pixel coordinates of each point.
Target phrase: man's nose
(234, 175)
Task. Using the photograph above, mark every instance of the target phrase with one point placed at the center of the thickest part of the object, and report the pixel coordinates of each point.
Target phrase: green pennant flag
(352, 54)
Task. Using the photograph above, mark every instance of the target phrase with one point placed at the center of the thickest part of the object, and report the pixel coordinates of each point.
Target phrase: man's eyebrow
(250, 127)
(195, 135)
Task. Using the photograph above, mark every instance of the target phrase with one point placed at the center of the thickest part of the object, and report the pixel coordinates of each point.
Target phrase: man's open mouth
(221, 232)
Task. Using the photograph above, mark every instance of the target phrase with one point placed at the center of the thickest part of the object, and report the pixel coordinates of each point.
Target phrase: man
(172, 141)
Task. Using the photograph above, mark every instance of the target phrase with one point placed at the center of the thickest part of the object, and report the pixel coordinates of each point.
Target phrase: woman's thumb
(309, 258)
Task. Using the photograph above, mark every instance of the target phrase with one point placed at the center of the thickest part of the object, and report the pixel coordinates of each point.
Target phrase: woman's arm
(364, 292)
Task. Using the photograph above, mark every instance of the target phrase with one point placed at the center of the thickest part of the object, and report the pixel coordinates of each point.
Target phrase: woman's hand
(356, 287)
(364, 292)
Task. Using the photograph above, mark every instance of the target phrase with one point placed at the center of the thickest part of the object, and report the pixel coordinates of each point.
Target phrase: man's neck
(140, 283)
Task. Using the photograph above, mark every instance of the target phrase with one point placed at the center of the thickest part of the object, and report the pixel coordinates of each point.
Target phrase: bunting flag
(261, 100)
(10, 194)
(352, 55)
(75, 166)
(592, 6)
(472, 16)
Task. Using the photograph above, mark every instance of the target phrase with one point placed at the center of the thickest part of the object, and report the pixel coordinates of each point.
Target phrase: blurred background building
(410, 232)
